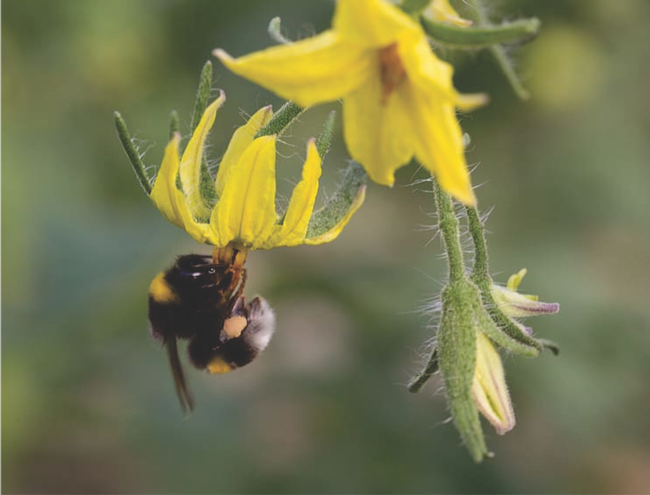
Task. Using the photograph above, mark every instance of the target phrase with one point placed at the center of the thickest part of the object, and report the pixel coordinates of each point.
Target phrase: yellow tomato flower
(398, 97)
(442, 11)
(244, 213)
(489, 388)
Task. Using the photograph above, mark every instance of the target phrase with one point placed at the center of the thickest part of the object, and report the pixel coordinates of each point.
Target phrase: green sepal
(206, 181)
(322, 145)
(325, 137)
(202, 94)
(480, 37)
(174, 123)
(508, 335)
(505, 333)
(550, 345)
(418, 381)
(414, 7)
(457, 359)
(339, 204)
(275, 31)
(281, 119)
(132, 153)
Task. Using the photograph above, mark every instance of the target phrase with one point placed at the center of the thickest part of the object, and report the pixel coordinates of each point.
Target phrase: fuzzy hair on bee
(202, 301)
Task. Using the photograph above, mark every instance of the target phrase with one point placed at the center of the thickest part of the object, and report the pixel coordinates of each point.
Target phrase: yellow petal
(372, 23)
(246, 210)
(438, 141)
(293, 230)
(515, 280)
(315, 70)
(429, 99)
(164, 194)
(334, 232)
(378, 136)
(169, 200)
(241, 139)
(489, 388)
(442, 11)
(426, 70)
(190, 169)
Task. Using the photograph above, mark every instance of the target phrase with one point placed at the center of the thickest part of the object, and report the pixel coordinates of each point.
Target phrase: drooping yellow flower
(398, 97)
(244, 214)
(489, 388)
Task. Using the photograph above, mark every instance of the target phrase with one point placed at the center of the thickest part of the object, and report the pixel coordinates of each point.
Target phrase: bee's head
(198, 280)
(195, 267)
(245, 334)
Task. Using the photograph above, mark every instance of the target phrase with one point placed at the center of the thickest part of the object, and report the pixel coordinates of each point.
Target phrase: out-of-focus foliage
(87, 400)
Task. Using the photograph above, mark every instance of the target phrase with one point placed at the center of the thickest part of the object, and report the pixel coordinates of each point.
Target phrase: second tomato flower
(398, 97)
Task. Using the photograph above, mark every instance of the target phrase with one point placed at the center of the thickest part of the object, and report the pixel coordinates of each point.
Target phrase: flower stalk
(480, 37)
(448, 224)
(477, 14)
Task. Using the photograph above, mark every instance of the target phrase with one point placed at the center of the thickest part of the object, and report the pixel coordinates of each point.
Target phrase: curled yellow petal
(190, 168)
(241, 139)
(246, 210)
(315, 70)
(293, 230)
(169, 200)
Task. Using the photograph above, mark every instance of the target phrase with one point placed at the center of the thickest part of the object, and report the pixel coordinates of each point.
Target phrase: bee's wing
(182, 390)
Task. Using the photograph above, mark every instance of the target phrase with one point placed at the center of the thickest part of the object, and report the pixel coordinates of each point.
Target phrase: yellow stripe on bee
(218, 366)
(160, 290)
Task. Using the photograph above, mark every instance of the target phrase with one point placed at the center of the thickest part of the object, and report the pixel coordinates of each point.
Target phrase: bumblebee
(200, 299)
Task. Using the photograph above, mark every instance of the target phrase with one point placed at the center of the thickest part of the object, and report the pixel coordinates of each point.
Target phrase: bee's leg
(182, 390)
(240, 290)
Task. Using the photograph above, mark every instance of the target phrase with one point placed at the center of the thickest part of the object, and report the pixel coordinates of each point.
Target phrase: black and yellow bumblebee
(200, 299)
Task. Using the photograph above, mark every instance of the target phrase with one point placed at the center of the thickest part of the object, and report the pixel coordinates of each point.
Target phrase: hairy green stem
(481, 272)
(448, 224)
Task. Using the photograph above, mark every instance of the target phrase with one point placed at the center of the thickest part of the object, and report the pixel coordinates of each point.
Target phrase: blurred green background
(87, 398)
